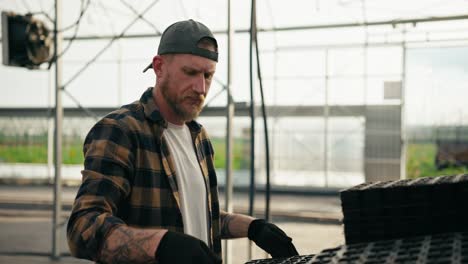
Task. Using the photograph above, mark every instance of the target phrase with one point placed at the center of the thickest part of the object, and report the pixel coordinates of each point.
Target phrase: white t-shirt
(190, 181)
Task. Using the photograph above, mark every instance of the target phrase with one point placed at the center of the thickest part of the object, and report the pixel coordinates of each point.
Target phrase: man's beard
(176, 103)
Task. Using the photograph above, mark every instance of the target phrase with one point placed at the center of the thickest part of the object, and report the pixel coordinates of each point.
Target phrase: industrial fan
(26, 41)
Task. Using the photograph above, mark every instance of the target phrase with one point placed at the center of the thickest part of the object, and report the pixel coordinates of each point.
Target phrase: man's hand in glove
(271, 238)
(177, 248)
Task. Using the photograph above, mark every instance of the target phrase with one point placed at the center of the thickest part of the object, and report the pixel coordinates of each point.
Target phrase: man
(149, 190)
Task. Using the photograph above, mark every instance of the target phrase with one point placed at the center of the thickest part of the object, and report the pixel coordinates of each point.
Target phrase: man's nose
(200, 86)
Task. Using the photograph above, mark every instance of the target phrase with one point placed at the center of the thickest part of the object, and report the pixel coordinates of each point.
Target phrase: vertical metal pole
(403, 107)
(229, 142)
(58, 133)
(252, 123)
(365, 78)
(275, 131)
(50, 129)
(325, 116)
(366, 46)
(265, 127)
(119, 72)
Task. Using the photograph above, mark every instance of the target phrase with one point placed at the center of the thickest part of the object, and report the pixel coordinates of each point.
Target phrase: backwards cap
(183, 37)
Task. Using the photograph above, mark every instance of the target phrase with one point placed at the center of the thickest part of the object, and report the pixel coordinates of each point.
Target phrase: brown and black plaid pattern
(128, 178)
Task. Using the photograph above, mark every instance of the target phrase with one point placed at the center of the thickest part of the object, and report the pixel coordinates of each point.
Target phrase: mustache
(197, 97)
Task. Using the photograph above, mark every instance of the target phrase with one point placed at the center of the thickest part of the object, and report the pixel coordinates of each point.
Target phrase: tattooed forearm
(225, 221)
(234, 225)
(131, 245)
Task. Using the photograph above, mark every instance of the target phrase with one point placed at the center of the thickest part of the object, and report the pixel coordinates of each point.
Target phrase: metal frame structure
(241, 110)
(230, 111)
(57, 222)
(412, 21)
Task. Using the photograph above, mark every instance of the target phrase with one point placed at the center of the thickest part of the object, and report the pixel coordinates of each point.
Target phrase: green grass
(420, 162)
(23, 154)
(239, 153)
(72, 153)
(420, 157)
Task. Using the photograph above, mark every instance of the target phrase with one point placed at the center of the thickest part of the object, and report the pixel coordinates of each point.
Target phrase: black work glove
(271, 238)
(178, 248)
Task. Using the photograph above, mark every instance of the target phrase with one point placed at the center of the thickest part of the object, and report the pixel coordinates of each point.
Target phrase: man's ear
(158, 65)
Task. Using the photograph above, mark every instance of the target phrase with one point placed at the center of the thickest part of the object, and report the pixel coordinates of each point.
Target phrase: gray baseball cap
(183, 37)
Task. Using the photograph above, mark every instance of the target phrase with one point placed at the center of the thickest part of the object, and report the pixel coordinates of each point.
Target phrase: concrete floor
(28, 240)
(312, 221)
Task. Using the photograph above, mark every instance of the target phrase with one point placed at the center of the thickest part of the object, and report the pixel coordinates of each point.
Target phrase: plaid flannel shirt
(128, 179)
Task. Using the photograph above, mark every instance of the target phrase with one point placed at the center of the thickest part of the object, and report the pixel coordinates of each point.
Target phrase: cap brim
(150, 66)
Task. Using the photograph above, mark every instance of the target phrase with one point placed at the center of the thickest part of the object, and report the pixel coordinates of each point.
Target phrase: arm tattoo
(131, 247)
(225, 221)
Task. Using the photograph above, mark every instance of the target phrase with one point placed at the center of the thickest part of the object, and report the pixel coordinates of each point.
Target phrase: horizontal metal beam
(384, 43)
(392, 22)
(241, 110)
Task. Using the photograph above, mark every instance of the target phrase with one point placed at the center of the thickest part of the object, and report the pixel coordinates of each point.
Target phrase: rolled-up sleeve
(108, 169)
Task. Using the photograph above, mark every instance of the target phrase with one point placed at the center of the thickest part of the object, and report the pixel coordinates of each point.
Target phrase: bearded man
(149, 191)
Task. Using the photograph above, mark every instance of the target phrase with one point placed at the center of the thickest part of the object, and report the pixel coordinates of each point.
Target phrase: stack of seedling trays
(405, 208)
(291, 260)
(439, 248)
